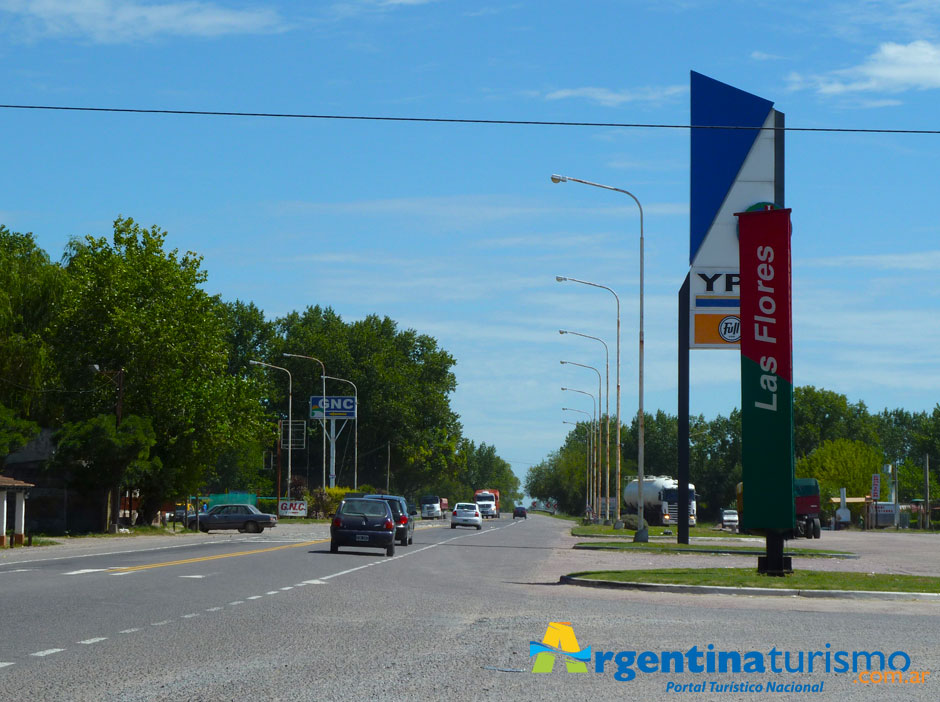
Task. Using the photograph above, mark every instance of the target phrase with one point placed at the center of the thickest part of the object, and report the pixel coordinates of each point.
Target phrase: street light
(595, 404)
(355, 427)
(290, 414)
(642, 533)
(322, 421)
(607, 411)
(581, 365)
(587, 455)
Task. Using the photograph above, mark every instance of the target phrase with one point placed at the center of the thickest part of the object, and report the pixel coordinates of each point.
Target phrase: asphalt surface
(277, 617)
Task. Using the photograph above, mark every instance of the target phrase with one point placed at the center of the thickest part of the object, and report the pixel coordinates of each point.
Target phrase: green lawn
(704, 530)
(666, 546)
(747, 577)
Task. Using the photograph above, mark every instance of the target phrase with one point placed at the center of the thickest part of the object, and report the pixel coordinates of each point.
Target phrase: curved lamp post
(323, 421)
(599, 462)
(642, 533)
(606, 412)
(355, 426)
(595, 403)
(290, 414)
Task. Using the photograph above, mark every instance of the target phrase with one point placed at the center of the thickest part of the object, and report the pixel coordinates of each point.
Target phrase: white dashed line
(213, 609)
(93, 641)
(129, 631)
(47, 652)
(85, 570)
(163, 623)
(289, 587)
(236, 602)
(189, 616)
(193, 576)
(254, 597)
(314, 582)
(271, 592)
(4, 665)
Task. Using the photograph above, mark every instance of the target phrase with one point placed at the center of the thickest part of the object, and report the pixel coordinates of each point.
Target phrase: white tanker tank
(660, 500)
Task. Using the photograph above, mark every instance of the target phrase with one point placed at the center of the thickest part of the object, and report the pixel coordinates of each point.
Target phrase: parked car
(729, 519)
(242, 517)
(363, 523)
(519, 512)
(466, 514)
(403, 517)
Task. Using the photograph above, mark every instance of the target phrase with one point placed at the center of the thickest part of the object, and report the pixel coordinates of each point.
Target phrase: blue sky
(456, 230)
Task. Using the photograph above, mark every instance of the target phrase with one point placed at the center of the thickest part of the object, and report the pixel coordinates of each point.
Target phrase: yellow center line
(129, 569)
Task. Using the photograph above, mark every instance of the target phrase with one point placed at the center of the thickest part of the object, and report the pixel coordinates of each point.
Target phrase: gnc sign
(292, 508)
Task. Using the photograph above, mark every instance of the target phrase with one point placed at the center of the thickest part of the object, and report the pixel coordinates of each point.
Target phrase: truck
(807, 507)
(488, 502)
(433, 507)
(660, 500)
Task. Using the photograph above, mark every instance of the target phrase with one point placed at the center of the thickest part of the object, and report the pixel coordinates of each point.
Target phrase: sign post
(329, 408)
(767, 381)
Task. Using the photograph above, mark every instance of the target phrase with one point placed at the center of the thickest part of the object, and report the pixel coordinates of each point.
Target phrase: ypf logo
(559, 640)
(729, 329)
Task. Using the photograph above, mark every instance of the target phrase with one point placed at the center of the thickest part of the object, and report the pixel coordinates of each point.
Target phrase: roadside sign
(332, 407)
(292, 508)
(876, 486)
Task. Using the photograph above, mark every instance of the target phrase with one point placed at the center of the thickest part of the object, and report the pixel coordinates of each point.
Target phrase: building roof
(13, 484)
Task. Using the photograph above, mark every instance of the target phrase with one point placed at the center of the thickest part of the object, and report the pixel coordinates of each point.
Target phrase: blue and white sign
(332, 407)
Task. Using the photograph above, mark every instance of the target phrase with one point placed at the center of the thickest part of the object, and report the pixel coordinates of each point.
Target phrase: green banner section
(767, 449)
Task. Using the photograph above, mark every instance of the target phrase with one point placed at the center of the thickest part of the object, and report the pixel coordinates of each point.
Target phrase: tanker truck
(660, 500)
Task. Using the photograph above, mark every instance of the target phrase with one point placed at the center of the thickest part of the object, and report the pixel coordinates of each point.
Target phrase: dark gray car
(364, 523)
(242, 517)
(403, 517)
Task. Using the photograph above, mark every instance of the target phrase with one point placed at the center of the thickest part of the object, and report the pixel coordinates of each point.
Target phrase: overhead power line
(449, 120)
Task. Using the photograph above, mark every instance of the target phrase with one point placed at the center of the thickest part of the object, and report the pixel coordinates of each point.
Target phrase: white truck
(660, 500)
(433, 507)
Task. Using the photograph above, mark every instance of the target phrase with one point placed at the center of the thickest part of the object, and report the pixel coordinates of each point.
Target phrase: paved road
(276, 616)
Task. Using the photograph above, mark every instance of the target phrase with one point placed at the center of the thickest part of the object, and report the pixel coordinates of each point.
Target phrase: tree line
(840, 443)
(145, 379)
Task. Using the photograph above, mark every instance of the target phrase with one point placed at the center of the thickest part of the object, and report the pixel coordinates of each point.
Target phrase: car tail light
(337, 522)
(389, 525)
(403, 519)
(476, 514)
(455, 513)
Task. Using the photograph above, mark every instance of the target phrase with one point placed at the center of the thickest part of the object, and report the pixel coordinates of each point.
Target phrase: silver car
(466, 514)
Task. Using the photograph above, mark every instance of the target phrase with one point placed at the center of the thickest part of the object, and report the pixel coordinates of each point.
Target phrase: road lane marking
(213, 609)
(85, 570)
(4, 664)
(314, 582)
(203, 559)
(163, 623)
(254, 597)
(47, 652)
(271, 592)
(289, 587)
(189, 616)
(129, 631)
(193, 576)
(94, 640)
(236, 602)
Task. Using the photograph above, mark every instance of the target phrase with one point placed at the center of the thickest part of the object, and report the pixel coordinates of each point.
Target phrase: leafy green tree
(842, 463)
(715, 461)
(823, 415)
(14, 432)
(130, 304)
(98, 453)
(30, 288)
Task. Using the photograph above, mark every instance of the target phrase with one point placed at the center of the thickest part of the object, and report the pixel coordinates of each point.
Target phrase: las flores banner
(766, 370)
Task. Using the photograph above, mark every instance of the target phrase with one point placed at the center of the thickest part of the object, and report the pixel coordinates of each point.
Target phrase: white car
(729, 519)
(466, 514)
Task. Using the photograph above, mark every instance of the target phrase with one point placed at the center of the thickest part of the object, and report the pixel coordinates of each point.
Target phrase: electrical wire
(448, 120)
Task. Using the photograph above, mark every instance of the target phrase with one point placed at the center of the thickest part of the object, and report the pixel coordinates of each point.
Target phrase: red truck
(808, 508)
(488, 502)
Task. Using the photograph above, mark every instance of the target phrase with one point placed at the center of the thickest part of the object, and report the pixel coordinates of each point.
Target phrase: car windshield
(466, 505)
(363, 508)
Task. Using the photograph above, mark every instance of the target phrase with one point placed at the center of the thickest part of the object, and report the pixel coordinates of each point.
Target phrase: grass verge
(601, 530)
(706, 548)
(747, 577)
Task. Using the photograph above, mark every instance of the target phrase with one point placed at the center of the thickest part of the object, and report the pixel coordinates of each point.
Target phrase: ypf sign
(766, 369)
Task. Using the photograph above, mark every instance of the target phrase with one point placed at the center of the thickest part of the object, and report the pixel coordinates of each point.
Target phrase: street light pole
(595, 404)
(599, 481)
(290, 414)
(587, 466)
(322, 421)
(355, 427)
(642, 533)
(607, 415)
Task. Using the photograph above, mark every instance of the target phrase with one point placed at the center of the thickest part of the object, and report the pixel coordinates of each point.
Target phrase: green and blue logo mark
(559, 640)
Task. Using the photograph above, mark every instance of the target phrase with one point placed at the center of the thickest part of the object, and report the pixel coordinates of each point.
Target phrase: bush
(324, 503)
(268, 506)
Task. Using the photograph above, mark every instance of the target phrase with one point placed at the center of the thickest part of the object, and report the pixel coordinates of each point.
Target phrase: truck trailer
(660, 500)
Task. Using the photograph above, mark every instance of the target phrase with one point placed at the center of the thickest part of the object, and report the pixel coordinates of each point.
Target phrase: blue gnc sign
(332, 407)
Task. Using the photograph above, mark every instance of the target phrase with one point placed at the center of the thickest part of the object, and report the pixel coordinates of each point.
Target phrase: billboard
(731, 170)
(332, 407)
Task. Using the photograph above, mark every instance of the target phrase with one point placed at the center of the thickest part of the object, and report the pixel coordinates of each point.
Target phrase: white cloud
(893, 68)
(114, 21)
(613, 98)
(761, 56)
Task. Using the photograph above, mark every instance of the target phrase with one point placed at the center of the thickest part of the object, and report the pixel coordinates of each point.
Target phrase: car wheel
(479, 526)
(817, 529)
(403, 541)
(411, 539)
(203, 529)
(334, 548)
(453, 526)
(390, 551)
(252, 527)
